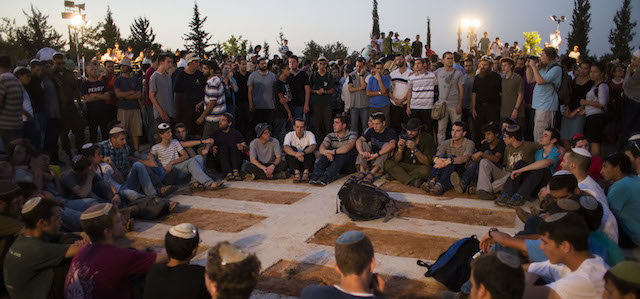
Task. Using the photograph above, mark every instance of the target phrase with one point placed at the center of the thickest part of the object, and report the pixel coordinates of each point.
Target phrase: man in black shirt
(231, 148)
(416, 48)
(283, 114)
(95, 94)
(189, 91)
(374, 148)
(242, 97)
(300, 88)
(36, 95)
(485, 99)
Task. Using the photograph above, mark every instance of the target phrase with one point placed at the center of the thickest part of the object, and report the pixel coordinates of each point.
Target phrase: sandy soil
(214, 220)
(472, 216)
(266, 196)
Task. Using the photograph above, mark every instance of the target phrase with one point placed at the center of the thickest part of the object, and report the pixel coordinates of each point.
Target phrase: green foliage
(235, 46)
(197, 40)
(333, 51)
(280, 39)
(532, 42)
(9, 39)
(89, 41)
(375, 31)
(110, 33)
(265, 49)
(621, 36)
(579, 35)
(37, 33)
(142, 35)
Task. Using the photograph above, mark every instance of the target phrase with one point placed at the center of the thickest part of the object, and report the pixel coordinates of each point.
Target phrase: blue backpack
(453, 267)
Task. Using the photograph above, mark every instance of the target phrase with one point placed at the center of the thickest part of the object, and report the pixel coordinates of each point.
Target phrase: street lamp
(470, 24)
(74, 13)
(558, 20)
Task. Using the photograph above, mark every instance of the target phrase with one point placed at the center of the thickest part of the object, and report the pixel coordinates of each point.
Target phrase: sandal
(166, 190)
(229, 177)
(218, 185)
(296, 177)
(195, 186)
(360, 175)
(369, 180)
(173, 205)
(437, 189)
(236, 175)
(305, 176)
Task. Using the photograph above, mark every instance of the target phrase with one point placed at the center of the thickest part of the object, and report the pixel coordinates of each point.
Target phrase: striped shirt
(214, 94)
(424, 89)
(336, 142)
(11, 97)
(168, 153)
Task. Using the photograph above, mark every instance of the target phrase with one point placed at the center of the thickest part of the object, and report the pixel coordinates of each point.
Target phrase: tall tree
(265, 49)
(621, 36)
(89, 40)
(428, 33)
(9, 39)
(197, 40)
(579, 35)
(375, 31)
(110, 33)
(142, 35)
(37, 33)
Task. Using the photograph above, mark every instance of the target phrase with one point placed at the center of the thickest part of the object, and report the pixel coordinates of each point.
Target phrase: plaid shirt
(119, 156)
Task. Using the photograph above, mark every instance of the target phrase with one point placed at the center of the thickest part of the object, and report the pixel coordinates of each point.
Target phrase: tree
(622, 35)
(142, 35)
(265, 49)
(197, 40)
(37, 33)
(532, 42)
(110, 33)
(429, 33)
(9, 39)
(281, 39)
(334, 51)
(579, 35)
(89, 41)
(375, 31)
(235, 46)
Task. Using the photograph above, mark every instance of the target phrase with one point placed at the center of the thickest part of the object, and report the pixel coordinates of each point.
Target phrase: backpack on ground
(565, 89)
(453, 267)
(363, 201)
(150, 208)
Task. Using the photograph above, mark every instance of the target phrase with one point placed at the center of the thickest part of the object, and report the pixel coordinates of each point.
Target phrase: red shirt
(147, 77)
(594, 169)
(105, 271)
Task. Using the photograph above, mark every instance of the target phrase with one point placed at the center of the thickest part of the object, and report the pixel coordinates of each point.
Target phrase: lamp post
(558, 20)
(471, 25)
(75, 14)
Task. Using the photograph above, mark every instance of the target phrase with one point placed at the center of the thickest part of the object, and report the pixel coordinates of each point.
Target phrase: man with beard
(412, 161)
(36, 95)
(128, 90)
(260, 89)
(231, 146)
(242, 97)
(398, 95)
(188, 89)
(69, 94)
(300, 88)
(485, 98)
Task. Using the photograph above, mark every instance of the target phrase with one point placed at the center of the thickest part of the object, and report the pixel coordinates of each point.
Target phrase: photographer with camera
(411, 163)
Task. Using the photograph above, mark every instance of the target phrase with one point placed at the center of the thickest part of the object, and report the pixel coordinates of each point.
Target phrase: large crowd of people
(491, 122)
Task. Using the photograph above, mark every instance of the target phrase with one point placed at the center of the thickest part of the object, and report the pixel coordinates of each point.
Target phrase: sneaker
(502, 201)
(323, 181)
(281, 175)
(457, 183)
(522, 214)
(313, 181)
(485, 195)
(516, 201)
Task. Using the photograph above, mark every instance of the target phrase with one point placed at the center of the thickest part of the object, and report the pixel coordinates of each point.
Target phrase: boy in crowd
(337, 152)
(623, 197)
(375, 147)
(35, 264)
(193, 145)
(83, 182)
(283, 114)
(128, 89)
(452, 155)
(378, 88)
(231, 148)
(525, 181)
(496, 275)
(100, 269)
(231, 272)
(214, 100)
(623, 281)
(412, 161)
(178, 278)
(492, 149)
(266, 156)
(299, 145)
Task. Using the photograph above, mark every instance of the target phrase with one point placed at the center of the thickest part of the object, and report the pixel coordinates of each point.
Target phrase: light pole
(558, 20)
(74, 13)
(470, 24)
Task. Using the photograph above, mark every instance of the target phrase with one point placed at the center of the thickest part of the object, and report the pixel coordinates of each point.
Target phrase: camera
(406, 137)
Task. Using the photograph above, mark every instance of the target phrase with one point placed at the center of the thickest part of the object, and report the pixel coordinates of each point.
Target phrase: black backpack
(566, 86)
(453, 267)
(363, 201)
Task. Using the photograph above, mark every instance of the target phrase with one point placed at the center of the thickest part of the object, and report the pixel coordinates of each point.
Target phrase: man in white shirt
(573, 272)
(299, 145)
(398, 95)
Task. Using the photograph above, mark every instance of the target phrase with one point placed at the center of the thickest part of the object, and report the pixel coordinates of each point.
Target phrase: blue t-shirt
(624, 202)
(553, 154)
(545, 96)
(380, 101)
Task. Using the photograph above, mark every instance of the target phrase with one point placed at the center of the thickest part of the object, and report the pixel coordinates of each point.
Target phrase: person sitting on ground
(355, 262)
(623, 197)
(81, 181)
(622, 281)
(178, 278)
(374, 148)
(266, 155)
(337, 152)
(174, 158)
(572, 271)
(11, 200)
(299, 145)
(193, 145)
(525, 181)
(100, 269)
(579, 141)
(452, 155)
(632, 150)
(36, 262)
(231, 148)
(411, 163)
(496, 275)
(492, 148)
(231, 272)
(491, 178)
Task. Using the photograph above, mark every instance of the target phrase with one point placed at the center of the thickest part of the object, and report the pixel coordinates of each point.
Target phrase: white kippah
(231, 254)
(164, 126)
(568, 205)
(636, 136)
(184, 231)
(561, 172)
(87, 145)
(555, 217)
(96, 211)
(636, 53)
(588, 202)
(581, 152)
(31, 204)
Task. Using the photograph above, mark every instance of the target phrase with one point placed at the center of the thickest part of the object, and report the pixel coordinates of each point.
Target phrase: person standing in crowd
(95, 94)
(496, 48)
(322, 87)
(231, 147)
(398, 94)
(261, 94)
(30, 128)
(189, 91)
(484, 43)
(161, 91)
(36, 95)
(422, 93)
(575, 53)
(416, 48)
(547, 75)
(337, 153)
(469, 77)
(147, 112)
(451, 84)
(52, 112)
(411, 163)
(214, 100)
(11, 98)
(387, 44)
(623, 197)
(374, 147)
(283, 112)
(300, 88)
(359, 100)
(241, 77)
(128, 90)
(631, 105)
(109, 77)
(378, 91)
(573, 116)
(299, 146)
(512, 92)
(69, 94)
(473, 42)
(265, 156)
(594, 107)
(485, 99)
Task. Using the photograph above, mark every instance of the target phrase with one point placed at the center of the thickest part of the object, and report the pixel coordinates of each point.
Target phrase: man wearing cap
(178, 278)
(69, 94)
(266, 155)
(322, 87)
(128, 90)
(623, 281)
(485, 97)
(261, 94)
(623, 197)
(11, 98)
(36, 260)
(189, 91)
(100, 269)
(355, 262)
(412, 161)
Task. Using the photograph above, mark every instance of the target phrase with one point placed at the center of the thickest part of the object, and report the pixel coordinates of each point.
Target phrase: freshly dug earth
(289, 278)
(144, 243)
(214, 220)
(266, 196)
(395, 243)
(472, 216)
(395, 186)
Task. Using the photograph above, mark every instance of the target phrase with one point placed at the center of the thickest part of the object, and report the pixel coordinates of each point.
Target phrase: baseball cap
(260, 128)
(125, 61)
(627, 271)
(191, 57)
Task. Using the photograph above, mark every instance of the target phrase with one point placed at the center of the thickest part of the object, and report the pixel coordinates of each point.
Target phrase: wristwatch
(493, 229)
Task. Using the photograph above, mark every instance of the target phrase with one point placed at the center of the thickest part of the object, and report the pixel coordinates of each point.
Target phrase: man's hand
(115, 200)
(164, 116)
(207, 141)
(477, 156)
(402, 143)
(486, 242)
(269, 170)
(199, 106)
(365, 155)
(168, 167)
(377, 76)
(459, 109)
(408, 111)
(306, 108)
(474, 113)
(330, 156)
(106, 159)
(377, 284)
(200, 120)
(515, 174)
(373, 156)
(411, 145)
(290, 117)
(514, 114)
(299, 156)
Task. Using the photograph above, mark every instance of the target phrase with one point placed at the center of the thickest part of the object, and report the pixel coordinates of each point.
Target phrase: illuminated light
(76, 20)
